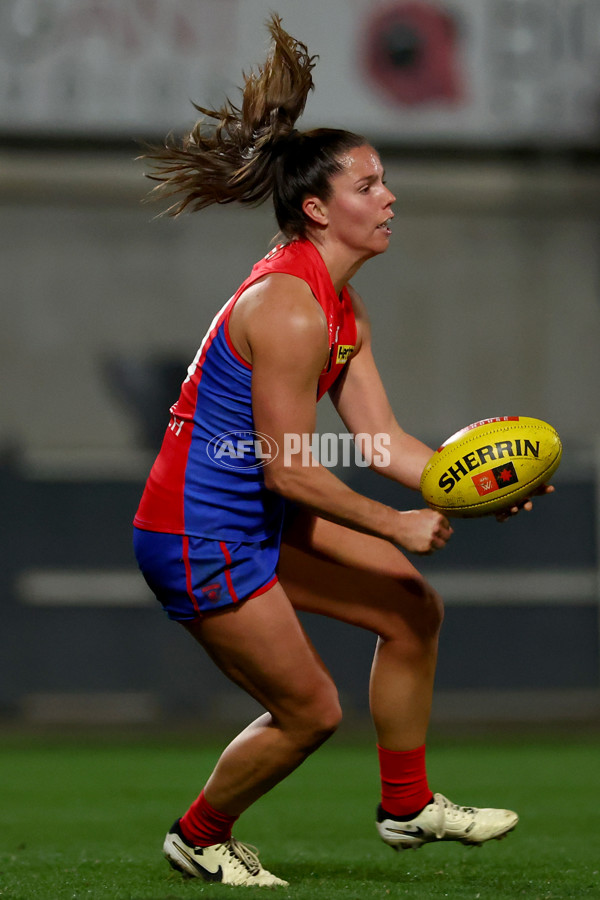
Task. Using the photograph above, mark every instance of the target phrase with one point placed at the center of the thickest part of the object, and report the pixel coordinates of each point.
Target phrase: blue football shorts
(192, 576)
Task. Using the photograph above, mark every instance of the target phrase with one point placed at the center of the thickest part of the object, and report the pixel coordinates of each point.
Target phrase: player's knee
(422, 617)
(321, 717)
(330, 716)
(433, 611)
(327, 715)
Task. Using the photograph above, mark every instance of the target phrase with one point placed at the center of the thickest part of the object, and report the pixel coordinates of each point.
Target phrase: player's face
(359, 210)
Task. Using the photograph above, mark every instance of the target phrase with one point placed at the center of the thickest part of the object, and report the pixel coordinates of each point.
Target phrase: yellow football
(490, 465)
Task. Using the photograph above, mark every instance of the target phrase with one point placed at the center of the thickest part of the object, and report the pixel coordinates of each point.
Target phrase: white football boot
(442, 820)
(228, 863)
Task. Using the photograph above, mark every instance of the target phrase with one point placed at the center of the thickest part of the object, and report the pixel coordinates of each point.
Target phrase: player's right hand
(423, 531)
(526, 504)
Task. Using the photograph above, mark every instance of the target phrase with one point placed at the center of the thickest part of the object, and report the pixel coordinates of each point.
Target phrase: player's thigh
(262, 647)
(357, 578)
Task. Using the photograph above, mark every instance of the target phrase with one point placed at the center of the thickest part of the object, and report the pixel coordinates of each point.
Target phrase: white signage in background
(460, 71)
(450, 71)
(116, 67)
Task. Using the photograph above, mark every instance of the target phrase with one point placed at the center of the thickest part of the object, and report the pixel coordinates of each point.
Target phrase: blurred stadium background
(487, 113)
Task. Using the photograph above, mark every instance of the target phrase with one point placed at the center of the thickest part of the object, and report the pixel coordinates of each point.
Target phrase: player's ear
(316, 210)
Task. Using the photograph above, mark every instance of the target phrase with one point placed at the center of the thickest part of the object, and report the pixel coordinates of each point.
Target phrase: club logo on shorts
(242, 449)
(212, 592)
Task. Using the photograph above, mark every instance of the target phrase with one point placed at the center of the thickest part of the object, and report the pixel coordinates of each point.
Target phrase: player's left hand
(526, 504)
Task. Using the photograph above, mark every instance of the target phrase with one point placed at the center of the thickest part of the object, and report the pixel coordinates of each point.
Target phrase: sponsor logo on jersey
(344, 352)
(176, 425)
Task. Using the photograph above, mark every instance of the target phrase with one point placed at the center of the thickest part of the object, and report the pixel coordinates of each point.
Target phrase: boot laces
(246, 854)
(442, 807)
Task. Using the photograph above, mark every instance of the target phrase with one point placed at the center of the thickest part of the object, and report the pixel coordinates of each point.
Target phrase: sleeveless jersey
(207, 479)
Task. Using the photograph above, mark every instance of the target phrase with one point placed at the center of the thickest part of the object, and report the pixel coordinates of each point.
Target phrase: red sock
(203, 825)
(404, 788)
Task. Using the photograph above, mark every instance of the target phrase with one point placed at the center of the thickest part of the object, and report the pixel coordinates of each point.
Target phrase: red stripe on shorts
(228, 577)
(188, 571)
(264, 588)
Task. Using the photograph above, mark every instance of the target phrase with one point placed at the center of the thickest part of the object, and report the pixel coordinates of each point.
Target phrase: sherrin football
(490, 465)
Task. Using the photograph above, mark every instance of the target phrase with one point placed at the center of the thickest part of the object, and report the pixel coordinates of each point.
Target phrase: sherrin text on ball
(491, 465)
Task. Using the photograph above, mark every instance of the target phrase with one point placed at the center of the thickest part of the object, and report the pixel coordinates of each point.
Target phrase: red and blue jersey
(207, 480)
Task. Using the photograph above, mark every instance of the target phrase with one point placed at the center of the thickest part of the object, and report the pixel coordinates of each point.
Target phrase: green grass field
(85, 819)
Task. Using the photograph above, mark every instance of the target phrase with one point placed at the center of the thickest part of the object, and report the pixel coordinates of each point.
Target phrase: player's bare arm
(283, 332)
(362, 402)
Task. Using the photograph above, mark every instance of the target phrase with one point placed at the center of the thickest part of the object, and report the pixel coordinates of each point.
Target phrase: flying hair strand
(228, 155)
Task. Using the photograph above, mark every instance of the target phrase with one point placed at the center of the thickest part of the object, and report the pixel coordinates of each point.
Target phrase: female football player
(232, 546)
